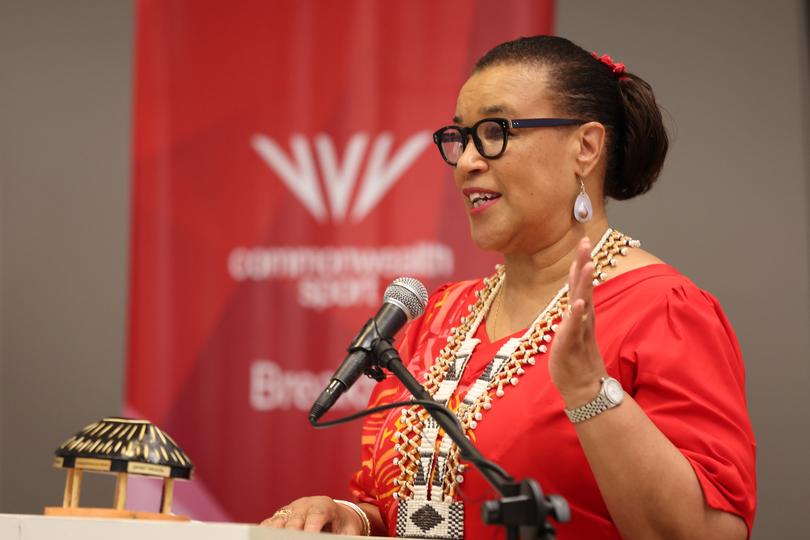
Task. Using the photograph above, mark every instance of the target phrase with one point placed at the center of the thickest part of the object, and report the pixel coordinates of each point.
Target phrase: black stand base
(526, 513)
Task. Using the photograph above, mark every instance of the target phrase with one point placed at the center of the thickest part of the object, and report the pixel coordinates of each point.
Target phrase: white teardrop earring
(583, 210)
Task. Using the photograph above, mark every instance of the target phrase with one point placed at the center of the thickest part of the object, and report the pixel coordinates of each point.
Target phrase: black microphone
(404, 299)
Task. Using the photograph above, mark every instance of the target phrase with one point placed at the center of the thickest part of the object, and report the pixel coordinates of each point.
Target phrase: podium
(31, 527)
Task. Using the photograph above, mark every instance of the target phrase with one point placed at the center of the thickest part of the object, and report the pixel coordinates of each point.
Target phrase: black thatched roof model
(124, 445)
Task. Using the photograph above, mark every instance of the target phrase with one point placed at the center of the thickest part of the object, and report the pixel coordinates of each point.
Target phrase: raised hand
(576, 365)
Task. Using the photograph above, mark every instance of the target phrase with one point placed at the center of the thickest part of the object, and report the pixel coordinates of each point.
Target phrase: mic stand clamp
(522, 508)
(365, 341)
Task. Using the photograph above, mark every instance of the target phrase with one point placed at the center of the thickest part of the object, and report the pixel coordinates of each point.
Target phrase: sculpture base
(110, 513)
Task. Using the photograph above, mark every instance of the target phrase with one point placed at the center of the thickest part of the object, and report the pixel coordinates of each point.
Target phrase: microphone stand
(522, 508)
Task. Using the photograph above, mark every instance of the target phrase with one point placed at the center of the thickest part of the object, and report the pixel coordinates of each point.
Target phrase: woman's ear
(590, 146)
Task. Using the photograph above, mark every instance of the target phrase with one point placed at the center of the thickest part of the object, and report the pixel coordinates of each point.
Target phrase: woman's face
(531, 187)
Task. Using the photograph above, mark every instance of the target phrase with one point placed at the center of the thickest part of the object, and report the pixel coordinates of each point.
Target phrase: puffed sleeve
(687, 373)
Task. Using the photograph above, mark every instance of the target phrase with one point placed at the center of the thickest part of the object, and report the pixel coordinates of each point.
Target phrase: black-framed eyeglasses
(489, 135)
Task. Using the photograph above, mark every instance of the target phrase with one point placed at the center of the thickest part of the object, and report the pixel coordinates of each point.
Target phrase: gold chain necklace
(534, 342)
(499, 300)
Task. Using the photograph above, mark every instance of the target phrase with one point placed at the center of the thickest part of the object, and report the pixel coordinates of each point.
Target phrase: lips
(480, 198)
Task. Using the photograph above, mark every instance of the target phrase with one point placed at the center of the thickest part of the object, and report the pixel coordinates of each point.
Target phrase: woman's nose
(470, 159)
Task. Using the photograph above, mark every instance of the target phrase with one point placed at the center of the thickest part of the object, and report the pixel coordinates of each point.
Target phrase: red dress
(665, 340)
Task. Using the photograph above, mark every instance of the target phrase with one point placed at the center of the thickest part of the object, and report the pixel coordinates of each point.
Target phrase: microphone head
(408, 294)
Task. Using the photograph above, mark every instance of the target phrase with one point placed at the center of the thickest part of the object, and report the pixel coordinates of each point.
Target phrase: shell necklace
(428, 461)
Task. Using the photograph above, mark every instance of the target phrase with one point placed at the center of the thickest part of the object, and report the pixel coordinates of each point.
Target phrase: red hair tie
(616, 67)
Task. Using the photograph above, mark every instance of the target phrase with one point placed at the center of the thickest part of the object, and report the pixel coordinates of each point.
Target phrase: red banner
(284, 173)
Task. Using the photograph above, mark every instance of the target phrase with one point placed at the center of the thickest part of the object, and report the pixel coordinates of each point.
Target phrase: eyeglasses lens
(452, 142)
(492, 137)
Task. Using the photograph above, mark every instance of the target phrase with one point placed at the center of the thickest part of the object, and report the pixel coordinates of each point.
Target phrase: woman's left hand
(576, 366)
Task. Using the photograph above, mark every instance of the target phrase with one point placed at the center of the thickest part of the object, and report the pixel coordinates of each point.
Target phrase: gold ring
(283, 513)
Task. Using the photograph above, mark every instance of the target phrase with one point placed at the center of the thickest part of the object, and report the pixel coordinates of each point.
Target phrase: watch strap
(594, 407)
(589, 410)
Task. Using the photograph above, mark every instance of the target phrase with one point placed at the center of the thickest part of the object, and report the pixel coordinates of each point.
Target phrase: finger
(277, 520)
(586, 287)
(584, 251)
(296, 521)
(317, 519)
(585, 282)
(585, 247)
(583, 256)
(578, 317)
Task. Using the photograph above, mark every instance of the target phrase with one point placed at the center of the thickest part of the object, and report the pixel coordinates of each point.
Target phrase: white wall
(65, 93)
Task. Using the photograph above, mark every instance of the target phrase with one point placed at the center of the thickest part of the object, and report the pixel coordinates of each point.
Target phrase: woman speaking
(583, 362)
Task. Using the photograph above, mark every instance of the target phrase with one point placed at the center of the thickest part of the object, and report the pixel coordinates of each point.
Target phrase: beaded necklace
(428, 461)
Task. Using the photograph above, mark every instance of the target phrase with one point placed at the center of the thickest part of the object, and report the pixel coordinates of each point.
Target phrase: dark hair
(588, 89)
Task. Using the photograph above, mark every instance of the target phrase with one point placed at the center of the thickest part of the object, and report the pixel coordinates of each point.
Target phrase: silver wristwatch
(610, 395)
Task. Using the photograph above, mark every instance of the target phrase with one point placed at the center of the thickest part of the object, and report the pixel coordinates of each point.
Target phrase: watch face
(614, 391)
